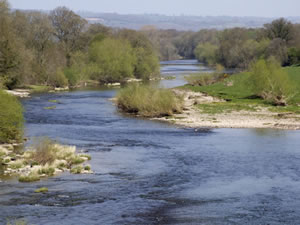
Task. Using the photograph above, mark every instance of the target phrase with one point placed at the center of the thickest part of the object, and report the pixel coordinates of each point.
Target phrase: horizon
(231, 8)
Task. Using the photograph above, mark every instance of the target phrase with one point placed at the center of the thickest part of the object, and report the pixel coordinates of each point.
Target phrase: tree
(206, 53)
(9, 58)
(114, 59)
(278, 49)
(271, 82)
(147, 63)
(280, 28)
(68, 29)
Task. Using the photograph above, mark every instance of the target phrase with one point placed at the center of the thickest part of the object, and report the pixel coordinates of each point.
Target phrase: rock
(22, 93)
(61, 89)
(114, 84)
(9, 147)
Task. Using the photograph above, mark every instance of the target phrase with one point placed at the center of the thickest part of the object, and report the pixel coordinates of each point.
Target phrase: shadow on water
(149, 172)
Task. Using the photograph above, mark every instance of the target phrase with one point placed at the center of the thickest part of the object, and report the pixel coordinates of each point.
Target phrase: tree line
(232, 48)
(60, 49)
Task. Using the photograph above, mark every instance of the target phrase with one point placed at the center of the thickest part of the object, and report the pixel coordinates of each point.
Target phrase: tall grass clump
(269, 81)
(148, 101)
(11, 118)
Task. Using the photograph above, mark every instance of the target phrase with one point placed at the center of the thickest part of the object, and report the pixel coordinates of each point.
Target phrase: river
(149, 172)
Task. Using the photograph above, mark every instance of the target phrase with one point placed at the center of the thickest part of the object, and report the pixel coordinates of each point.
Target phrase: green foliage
(29, 178)
(77, 169)
(58, 79)
(280, 28)
(206, 53)
(293, 56)
(148, 101)
(239, 94)
(41, 190)
(47, 171)
(79, 70)
(147, 64)
(87, 168)
(271, 82)
(11, 122)
(114, 58)
(17, 222)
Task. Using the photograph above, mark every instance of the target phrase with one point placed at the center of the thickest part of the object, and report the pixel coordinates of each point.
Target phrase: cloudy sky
(264, 8)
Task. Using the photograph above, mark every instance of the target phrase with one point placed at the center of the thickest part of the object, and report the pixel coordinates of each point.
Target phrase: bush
(45, 151)
(11, 122)
(58, 79)
(77, 170)
(29, 178)
(269, 81)
(148, 101)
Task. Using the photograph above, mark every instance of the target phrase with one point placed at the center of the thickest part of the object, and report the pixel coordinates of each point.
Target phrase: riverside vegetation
(61, 49)
(265, 85)
(149, 101)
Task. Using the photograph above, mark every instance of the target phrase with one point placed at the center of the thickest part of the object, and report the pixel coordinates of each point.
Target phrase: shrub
(77, 170)
(148, 101)
(29, 178)
(49, 171)
(269, 81)
(11, 122)
(77, 160)
(45, 151)
(87, 168)
(58, 79)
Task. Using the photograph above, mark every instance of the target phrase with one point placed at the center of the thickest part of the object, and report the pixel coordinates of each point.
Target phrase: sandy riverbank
(193, 117)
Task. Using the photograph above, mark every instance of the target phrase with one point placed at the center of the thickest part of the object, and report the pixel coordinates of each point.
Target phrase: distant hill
(193, 23)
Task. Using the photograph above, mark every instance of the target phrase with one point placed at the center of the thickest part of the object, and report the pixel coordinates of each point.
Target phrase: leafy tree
(9, 58)
(206, 53)
(114, 59)
(271, 82)
(280, 28)
(68, 29)
(147, 64)
(278, 49)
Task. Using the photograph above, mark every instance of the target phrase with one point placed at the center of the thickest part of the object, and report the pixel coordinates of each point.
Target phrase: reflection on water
(154, 173)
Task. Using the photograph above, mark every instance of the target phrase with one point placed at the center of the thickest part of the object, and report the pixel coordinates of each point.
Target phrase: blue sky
(264, 8)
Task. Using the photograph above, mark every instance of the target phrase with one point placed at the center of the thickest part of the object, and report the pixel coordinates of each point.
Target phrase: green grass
(237, 91)
(225, 107)
(38, 88)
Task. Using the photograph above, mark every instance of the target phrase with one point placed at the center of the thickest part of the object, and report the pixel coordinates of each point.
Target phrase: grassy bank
(148, 101)
(11, 118)
(239, 95)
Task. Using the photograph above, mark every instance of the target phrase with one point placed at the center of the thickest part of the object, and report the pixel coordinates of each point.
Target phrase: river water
(154, 173)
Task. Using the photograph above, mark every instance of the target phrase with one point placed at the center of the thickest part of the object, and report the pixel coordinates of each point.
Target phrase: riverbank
(202, 110)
